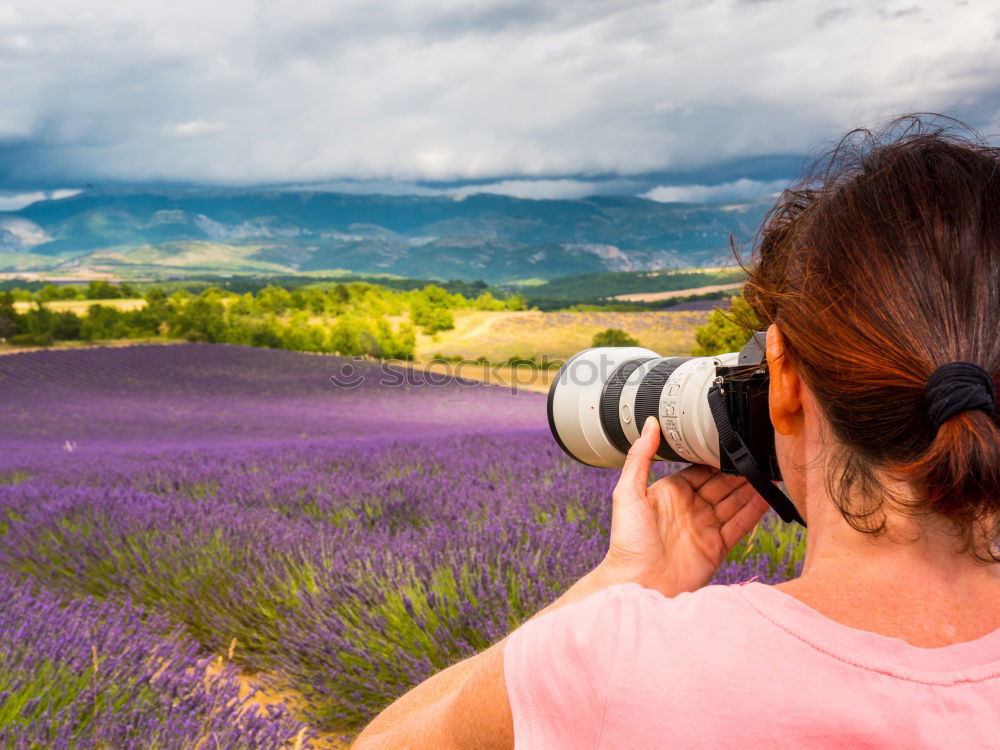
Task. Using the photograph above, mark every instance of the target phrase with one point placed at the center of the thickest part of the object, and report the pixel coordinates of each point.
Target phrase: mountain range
(500, 239)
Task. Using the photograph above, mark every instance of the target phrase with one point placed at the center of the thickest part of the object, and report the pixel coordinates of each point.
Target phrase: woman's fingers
(719, 487)
(743, 520)
(695, 475)
(635, 472)
(733, 502)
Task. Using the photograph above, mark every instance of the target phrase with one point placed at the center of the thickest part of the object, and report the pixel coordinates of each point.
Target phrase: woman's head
(878, 268)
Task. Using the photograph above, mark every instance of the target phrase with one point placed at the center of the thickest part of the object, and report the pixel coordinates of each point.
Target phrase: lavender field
(158, 502)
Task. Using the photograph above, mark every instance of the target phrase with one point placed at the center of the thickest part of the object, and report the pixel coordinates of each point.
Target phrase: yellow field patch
(498, 336)
(80, 306)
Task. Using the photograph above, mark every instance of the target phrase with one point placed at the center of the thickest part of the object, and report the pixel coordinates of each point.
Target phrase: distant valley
(499, 239)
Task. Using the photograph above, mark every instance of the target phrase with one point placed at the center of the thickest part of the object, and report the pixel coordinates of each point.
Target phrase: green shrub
(104, 290)
(31, 339)
(11, 323)
(613, 337)
(724, 332)
(66, 326)
(432, 319)
(103, 322)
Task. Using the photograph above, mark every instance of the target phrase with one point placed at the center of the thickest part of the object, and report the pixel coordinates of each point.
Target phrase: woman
(879, 283)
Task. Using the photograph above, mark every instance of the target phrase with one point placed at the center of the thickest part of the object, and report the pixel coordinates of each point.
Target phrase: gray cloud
(411, 90)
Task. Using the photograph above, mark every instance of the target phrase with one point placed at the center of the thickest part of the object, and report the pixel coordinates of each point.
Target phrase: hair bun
(956, 387)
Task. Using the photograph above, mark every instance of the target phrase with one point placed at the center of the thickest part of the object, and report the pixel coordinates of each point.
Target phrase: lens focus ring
(647, 400)
(611, 401)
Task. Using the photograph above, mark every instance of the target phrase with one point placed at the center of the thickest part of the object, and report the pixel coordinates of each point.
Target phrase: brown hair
(881, 265)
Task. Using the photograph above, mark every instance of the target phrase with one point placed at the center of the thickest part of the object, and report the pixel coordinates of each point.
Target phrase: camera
(711, 410)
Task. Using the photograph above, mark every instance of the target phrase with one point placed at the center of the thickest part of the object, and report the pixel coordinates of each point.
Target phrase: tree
(51, 291)
(315, 301)
(102, 290)
(345, 337)
(614, 337)
(516, 302)
(432, 319)
(66, 326)
(39, 321)
(724, 331)
(156, 297)
(201, 319)
(340, 293)
(431, 309)
(274, 299)
(486, 301)
(435, 296)
(11, 324)
(103, 322)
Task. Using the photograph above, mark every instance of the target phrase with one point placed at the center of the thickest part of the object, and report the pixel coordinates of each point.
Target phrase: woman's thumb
(638, 462)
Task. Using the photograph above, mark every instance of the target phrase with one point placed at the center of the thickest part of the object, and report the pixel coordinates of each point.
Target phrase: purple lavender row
(352, 540)
(194, 394)
(352, 571)
(87, 673)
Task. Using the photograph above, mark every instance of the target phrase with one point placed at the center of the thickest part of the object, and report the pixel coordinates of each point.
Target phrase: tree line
(349, 319)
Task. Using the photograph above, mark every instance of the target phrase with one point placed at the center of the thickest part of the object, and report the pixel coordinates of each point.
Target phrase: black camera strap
(743, 461)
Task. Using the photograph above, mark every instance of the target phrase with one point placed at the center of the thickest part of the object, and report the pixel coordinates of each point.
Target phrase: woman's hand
(673, 535)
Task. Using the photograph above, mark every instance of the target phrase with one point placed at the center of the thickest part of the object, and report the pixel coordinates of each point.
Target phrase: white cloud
(466, 89)
(17, 201)
(194, 128)
(738, 190)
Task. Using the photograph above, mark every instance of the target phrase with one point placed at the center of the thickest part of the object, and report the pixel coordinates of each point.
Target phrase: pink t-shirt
(742, 666)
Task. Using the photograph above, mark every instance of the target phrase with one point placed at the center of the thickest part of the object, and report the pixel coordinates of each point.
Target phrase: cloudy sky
(542, 98)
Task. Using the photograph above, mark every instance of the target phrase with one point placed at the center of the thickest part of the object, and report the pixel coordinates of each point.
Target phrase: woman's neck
(911, 583)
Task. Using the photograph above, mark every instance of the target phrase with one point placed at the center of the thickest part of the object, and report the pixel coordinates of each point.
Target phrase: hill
(496, 238)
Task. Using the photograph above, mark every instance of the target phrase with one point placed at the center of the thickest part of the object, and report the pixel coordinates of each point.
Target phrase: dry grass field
(498, 336)
(79, 306)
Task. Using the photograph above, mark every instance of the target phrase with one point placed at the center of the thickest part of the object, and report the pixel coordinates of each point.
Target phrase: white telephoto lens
(574, 405)
(601, 397)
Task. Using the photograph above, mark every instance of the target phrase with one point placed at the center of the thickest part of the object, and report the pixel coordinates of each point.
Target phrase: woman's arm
(671, 536)
(465, 705)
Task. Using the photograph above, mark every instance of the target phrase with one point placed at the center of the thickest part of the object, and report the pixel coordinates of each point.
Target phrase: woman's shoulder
(751, 623)
(706, 601)
(717, 609)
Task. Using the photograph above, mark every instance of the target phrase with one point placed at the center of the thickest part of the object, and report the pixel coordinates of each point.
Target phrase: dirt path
(259, 696)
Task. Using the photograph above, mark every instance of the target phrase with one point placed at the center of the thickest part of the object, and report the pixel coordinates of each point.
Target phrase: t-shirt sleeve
(558, 670)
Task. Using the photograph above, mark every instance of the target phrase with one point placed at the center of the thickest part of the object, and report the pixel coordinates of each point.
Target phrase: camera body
(711, 410)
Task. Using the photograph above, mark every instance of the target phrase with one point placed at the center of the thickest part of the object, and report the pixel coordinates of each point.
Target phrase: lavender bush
(101, 674)
(353, 540)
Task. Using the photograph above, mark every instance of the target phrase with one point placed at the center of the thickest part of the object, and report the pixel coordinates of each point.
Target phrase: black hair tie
(957, 387)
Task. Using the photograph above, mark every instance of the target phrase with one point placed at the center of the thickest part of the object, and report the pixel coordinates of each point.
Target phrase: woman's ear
(784, 397)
